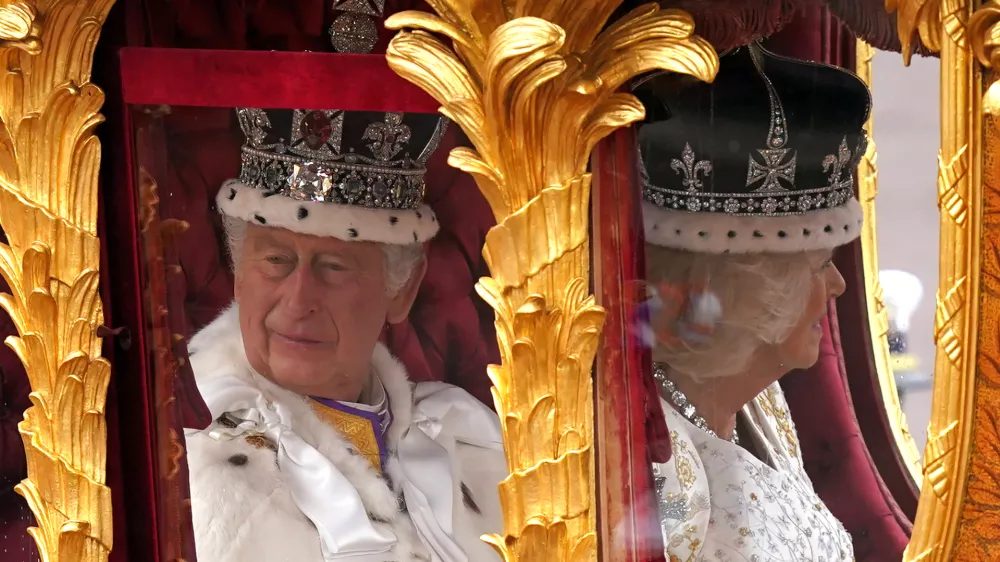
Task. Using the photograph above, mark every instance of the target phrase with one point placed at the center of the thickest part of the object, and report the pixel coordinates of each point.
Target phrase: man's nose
(301, 291)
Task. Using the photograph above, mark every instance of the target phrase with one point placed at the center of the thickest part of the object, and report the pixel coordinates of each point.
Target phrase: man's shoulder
(216, 352)
(457, 410)
(434, 392)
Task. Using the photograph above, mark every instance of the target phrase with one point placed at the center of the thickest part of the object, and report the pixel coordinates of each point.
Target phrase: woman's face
(801, 349)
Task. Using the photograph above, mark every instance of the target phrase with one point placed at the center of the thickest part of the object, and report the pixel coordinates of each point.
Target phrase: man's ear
(400, 305)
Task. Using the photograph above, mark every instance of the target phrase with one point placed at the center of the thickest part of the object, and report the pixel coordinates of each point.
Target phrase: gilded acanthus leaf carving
(917, 17)
(49, 160)
(536, 84)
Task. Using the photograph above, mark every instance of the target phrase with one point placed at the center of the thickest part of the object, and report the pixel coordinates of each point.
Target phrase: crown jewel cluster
(310, 162)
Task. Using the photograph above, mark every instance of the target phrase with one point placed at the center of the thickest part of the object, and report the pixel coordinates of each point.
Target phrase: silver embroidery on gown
(718, 502)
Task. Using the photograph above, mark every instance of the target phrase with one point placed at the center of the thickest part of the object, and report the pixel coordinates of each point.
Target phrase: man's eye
(276, 260)
(333, 267)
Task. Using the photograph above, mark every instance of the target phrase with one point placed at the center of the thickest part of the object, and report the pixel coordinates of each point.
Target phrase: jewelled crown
(375, 160)
(771, 137)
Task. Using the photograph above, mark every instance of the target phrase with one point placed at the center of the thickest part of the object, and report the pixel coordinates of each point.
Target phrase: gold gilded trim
(535, 85)
(942, 25)
(878, 320)
(977, 537)
(49, 160)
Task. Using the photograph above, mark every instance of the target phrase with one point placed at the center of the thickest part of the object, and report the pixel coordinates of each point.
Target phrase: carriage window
(906, 134)
(299, 269)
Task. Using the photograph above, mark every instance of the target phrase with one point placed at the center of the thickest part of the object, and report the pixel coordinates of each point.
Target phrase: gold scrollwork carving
(878, 320)
(942, 26)
(535, 85)
(976, 525)
(984, 28)
(49, 159)
(917, 17)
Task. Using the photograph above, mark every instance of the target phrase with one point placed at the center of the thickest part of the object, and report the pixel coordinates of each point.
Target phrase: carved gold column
(49, 160)
(535, 85)
(941, 26)
(977, 537)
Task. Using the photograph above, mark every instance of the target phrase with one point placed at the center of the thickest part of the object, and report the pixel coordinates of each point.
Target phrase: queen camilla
(321, 448)
(748, 191)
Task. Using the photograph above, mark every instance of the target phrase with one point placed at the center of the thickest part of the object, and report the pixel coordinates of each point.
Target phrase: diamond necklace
(685, 407)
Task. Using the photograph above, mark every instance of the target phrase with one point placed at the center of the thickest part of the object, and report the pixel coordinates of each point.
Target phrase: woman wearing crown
(321, 448)
(748, 190)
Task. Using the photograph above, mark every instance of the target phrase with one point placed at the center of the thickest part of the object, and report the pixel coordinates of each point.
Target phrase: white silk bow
(425, 454)
(317, 487)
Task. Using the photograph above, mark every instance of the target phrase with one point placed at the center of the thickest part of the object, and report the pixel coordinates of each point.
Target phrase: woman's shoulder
(683, 491)
(770, 411)
(717, 497)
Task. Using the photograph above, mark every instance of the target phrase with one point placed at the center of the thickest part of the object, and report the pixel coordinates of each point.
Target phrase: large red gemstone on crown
(315, 129)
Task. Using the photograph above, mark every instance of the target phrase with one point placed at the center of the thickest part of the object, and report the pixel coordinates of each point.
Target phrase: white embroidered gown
(718, 502)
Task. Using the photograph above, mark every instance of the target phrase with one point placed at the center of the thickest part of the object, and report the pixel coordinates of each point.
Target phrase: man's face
(311, 309)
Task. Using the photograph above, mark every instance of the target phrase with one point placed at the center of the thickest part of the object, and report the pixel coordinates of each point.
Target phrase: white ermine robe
(273, 480)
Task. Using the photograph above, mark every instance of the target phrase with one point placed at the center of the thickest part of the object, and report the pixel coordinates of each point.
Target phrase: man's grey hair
(400, 259)
(762, 299)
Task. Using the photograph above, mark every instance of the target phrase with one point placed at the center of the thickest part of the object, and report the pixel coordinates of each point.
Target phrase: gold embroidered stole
(357, 429)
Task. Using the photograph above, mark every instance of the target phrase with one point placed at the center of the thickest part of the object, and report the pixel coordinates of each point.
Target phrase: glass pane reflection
(906, 116)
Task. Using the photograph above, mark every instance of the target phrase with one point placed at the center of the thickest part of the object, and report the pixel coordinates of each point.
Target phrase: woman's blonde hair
(762, 297)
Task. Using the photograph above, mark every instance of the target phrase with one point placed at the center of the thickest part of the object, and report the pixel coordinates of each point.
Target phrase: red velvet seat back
(15, 517)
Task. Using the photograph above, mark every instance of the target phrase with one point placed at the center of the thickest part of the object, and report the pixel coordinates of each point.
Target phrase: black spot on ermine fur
(468, 500)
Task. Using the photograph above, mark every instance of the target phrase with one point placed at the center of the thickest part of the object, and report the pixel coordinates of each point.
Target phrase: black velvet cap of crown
(738, 147)
(371, 159)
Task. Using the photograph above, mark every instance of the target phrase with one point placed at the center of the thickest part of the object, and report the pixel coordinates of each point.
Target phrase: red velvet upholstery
(15, 517)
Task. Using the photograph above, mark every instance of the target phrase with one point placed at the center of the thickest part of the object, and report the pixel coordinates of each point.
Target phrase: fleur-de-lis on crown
(835, 164)
(388, 137)
(689, 168)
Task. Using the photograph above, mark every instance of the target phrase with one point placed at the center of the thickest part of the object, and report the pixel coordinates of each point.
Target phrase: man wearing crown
(321, 448)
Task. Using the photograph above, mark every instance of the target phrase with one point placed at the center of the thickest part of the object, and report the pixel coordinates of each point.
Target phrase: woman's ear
(400, 305)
